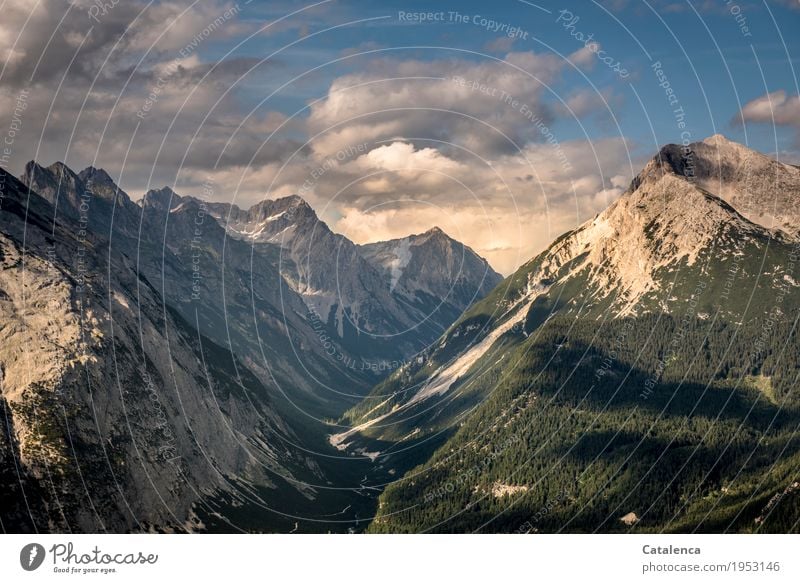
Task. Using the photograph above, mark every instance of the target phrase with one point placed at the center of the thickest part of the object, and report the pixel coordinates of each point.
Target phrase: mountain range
(184, 364)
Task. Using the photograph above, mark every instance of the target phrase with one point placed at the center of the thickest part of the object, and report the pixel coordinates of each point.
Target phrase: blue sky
(713, 67)
(500, 122)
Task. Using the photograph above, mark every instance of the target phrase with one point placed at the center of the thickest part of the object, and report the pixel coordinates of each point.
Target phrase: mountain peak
(55, 170)
(90, 174)
(60, 168)
(718, 139)
(435, 231)
(98, 183)
(722, 148)
(32, 165)
(50, 182)
(267, 209)
(161, 199)
(294, 201)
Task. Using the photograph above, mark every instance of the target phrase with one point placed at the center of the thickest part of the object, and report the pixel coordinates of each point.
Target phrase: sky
(504, 123)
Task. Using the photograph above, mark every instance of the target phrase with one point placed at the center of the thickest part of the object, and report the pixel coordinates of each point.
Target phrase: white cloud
(507, 211)
(584, 57)
(441, 99)
(117, 63)
(777, 107)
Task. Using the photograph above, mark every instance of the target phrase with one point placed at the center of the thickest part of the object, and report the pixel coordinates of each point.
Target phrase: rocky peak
(163, 199)
(62, 170)
(720, 141)
(98, 183)
(59, 179)
(57, 184)
(665, 218)
(762, 189)
(434, 233)
(292, 205)
(57, 172)
(434, 265)
(96, 177)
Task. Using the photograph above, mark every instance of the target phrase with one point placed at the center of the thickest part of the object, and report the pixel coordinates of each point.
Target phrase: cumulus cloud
(501, 44)
(111, 90)
(507, 209)
(447, 99)
(777, 107)
(46, 37)
(584, 57)
(587, 102)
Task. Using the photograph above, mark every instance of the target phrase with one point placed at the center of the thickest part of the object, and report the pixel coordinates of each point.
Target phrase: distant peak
(268, 208)
(163, 191)
(293, 200)
(57, 170)
(163, 198)
(32, 165)
(32, 170)
(434, 232)
(60, 167)
(90, 173)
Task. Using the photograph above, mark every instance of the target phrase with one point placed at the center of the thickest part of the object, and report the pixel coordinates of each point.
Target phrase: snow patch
(402, 256)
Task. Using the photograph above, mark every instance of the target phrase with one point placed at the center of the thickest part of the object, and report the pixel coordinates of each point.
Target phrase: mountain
(644, 363)
(237, 295)
(181, 364)
(439, 275)
(353, 290)
(241, 303)
(296, 302)
(118, 415)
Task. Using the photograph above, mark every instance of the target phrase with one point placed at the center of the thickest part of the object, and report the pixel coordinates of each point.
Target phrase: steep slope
(647, 252)
(619, 319)
(117, 415)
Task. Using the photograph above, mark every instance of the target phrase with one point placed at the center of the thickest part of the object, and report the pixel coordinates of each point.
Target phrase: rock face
(91, 196)
(118, 415)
